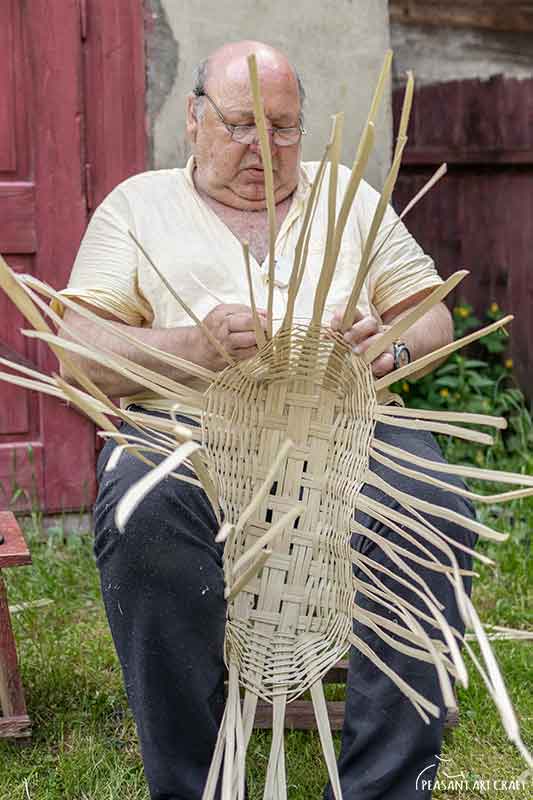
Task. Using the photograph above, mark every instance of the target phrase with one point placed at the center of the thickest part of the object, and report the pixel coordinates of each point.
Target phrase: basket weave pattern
(292, 621)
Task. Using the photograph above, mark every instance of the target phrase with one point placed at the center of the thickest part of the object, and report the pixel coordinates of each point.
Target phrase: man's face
(232, 172)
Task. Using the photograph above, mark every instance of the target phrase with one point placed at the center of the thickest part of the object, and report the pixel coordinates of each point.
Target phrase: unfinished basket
(286, 440)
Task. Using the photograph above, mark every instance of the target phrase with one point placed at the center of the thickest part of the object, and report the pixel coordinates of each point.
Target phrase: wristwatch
(401, 354)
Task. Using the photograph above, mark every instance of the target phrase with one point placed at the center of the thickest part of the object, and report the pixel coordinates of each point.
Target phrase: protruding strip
(266, 157)
(273, 532)
(139, 490)
(438, 174)
(452, 416)
(438, 427)
(397, 328)
(265, 486)
(258, 328)
(421, 703)
(324, 731)
(120, 331)
(214, 341)
(417, 475)
(328, 261)
(437, 355)
(241, 583)
(434, 510)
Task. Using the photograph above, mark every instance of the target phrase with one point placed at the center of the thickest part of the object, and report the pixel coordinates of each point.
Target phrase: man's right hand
(233, 326)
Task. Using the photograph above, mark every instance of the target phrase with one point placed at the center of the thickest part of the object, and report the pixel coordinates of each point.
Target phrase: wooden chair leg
(14, 722)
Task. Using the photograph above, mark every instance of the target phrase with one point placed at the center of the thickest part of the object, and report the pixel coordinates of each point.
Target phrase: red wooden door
(61, 64)
(41, 191)
(479, 216)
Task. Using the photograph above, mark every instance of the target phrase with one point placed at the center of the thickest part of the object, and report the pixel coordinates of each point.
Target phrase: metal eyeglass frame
(249, 128)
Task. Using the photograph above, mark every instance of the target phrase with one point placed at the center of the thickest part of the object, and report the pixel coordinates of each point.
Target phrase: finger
(338, 314)
(361, 347)
(233, 308)
(238, 323)
(241, 341)
(364, 329)
(243, 354)
(382, 365)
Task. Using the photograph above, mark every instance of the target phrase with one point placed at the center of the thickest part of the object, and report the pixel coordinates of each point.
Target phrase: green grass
(84, 745)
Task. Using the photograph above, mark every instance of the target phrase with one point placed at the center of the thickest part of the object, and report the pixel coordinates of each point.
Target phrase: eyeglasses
(247, 134)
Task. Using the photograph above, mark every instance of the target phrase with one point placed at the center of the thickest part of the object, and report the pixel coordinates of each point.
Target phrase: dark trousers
(163, 590)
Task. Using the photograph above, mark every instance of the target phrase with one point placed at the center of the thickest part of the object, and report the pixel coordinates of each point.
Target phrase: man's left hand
(361, 335)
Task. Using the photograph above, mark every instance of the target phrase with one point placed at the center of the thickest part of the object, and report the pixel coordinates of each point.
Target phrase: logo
(451, 780)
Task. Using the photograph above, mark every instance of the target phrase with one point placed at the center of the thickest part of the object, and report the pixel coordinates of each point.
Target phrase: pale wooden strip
(499, 690)
(266, 157)
(121, 331)
(34, 386)
(438, 619)
(329, 260)
(421, 703)
(356, 175)
(275, 788)
(231, 723)
(326, 740)
(274, 531)
(380, 86)
(409, 501)
(406, 113)
(39, 376)
(428, 655)
(216, 761)
(502, 497)
(437, 175)
(302, 244)
(157, 383)
(351, 306)
(266, 485)
(138, 491)
(438, 427)
(214, 341)
(442, 352)
(451, 416)
(259, 332)
(232, 591)
(403, 324)
(492, 475)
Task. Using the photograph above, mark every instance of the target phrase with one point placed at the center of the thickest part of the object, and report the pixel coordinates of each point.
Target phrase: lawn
(84, 745)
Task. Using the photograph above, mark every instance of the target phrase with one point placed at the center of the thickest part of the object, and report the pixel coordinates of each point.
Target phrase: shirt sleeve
(400, 267)
(105, 272)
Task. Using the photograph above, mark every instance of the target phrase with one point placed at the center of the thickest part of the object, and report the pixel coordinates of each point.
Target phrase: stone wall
(336, 45)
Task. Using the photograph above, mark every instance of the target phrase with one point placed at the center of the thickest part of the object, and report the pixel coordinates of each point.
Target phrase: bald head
(230, 62)
(228, 168)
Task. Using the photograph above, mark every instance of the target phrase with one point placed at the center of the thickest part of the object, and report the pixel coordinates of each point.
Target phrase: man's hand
(361, 335)
(233, 326)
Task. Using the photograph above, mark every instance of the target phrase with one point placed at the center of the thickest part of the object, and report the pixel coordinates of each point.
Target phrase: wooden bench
(14, 720)
(299, 714)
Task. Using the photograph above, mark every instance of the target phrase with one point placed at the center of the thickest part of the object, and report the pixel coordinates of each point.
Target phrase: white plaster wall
(336, 45)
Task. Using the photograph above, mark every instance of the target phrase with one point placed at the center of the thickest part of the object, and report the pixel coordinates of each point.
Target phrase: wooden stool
(299, 714)
(14, 722)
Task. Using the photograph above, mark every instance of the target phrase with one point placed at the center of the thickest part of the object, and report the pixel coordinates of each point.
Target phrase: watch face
(402, 356)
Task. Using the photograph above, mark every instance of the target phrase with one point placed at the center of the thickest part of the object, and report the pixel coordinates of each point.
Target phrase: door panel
(42, 218)
(479, 216)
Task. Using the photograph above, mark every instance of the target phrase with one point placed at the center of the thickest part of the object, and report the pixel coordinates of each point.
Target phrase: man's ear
(191, 122)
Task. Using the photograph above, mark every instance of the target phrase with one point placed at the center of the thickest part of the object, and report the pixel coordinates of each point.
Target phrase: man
(162, 579)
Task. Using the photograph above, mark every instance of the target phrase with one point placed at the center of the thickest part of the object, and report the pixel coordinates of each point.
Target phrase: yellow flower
(405, 386)
(444, 392)
(462, 311)
(508, 363)
(480, 457)
(494, 308)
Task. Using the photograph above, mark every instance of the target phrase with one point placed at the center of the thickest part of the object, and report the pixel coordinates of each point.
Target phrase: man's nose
(255, 146)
